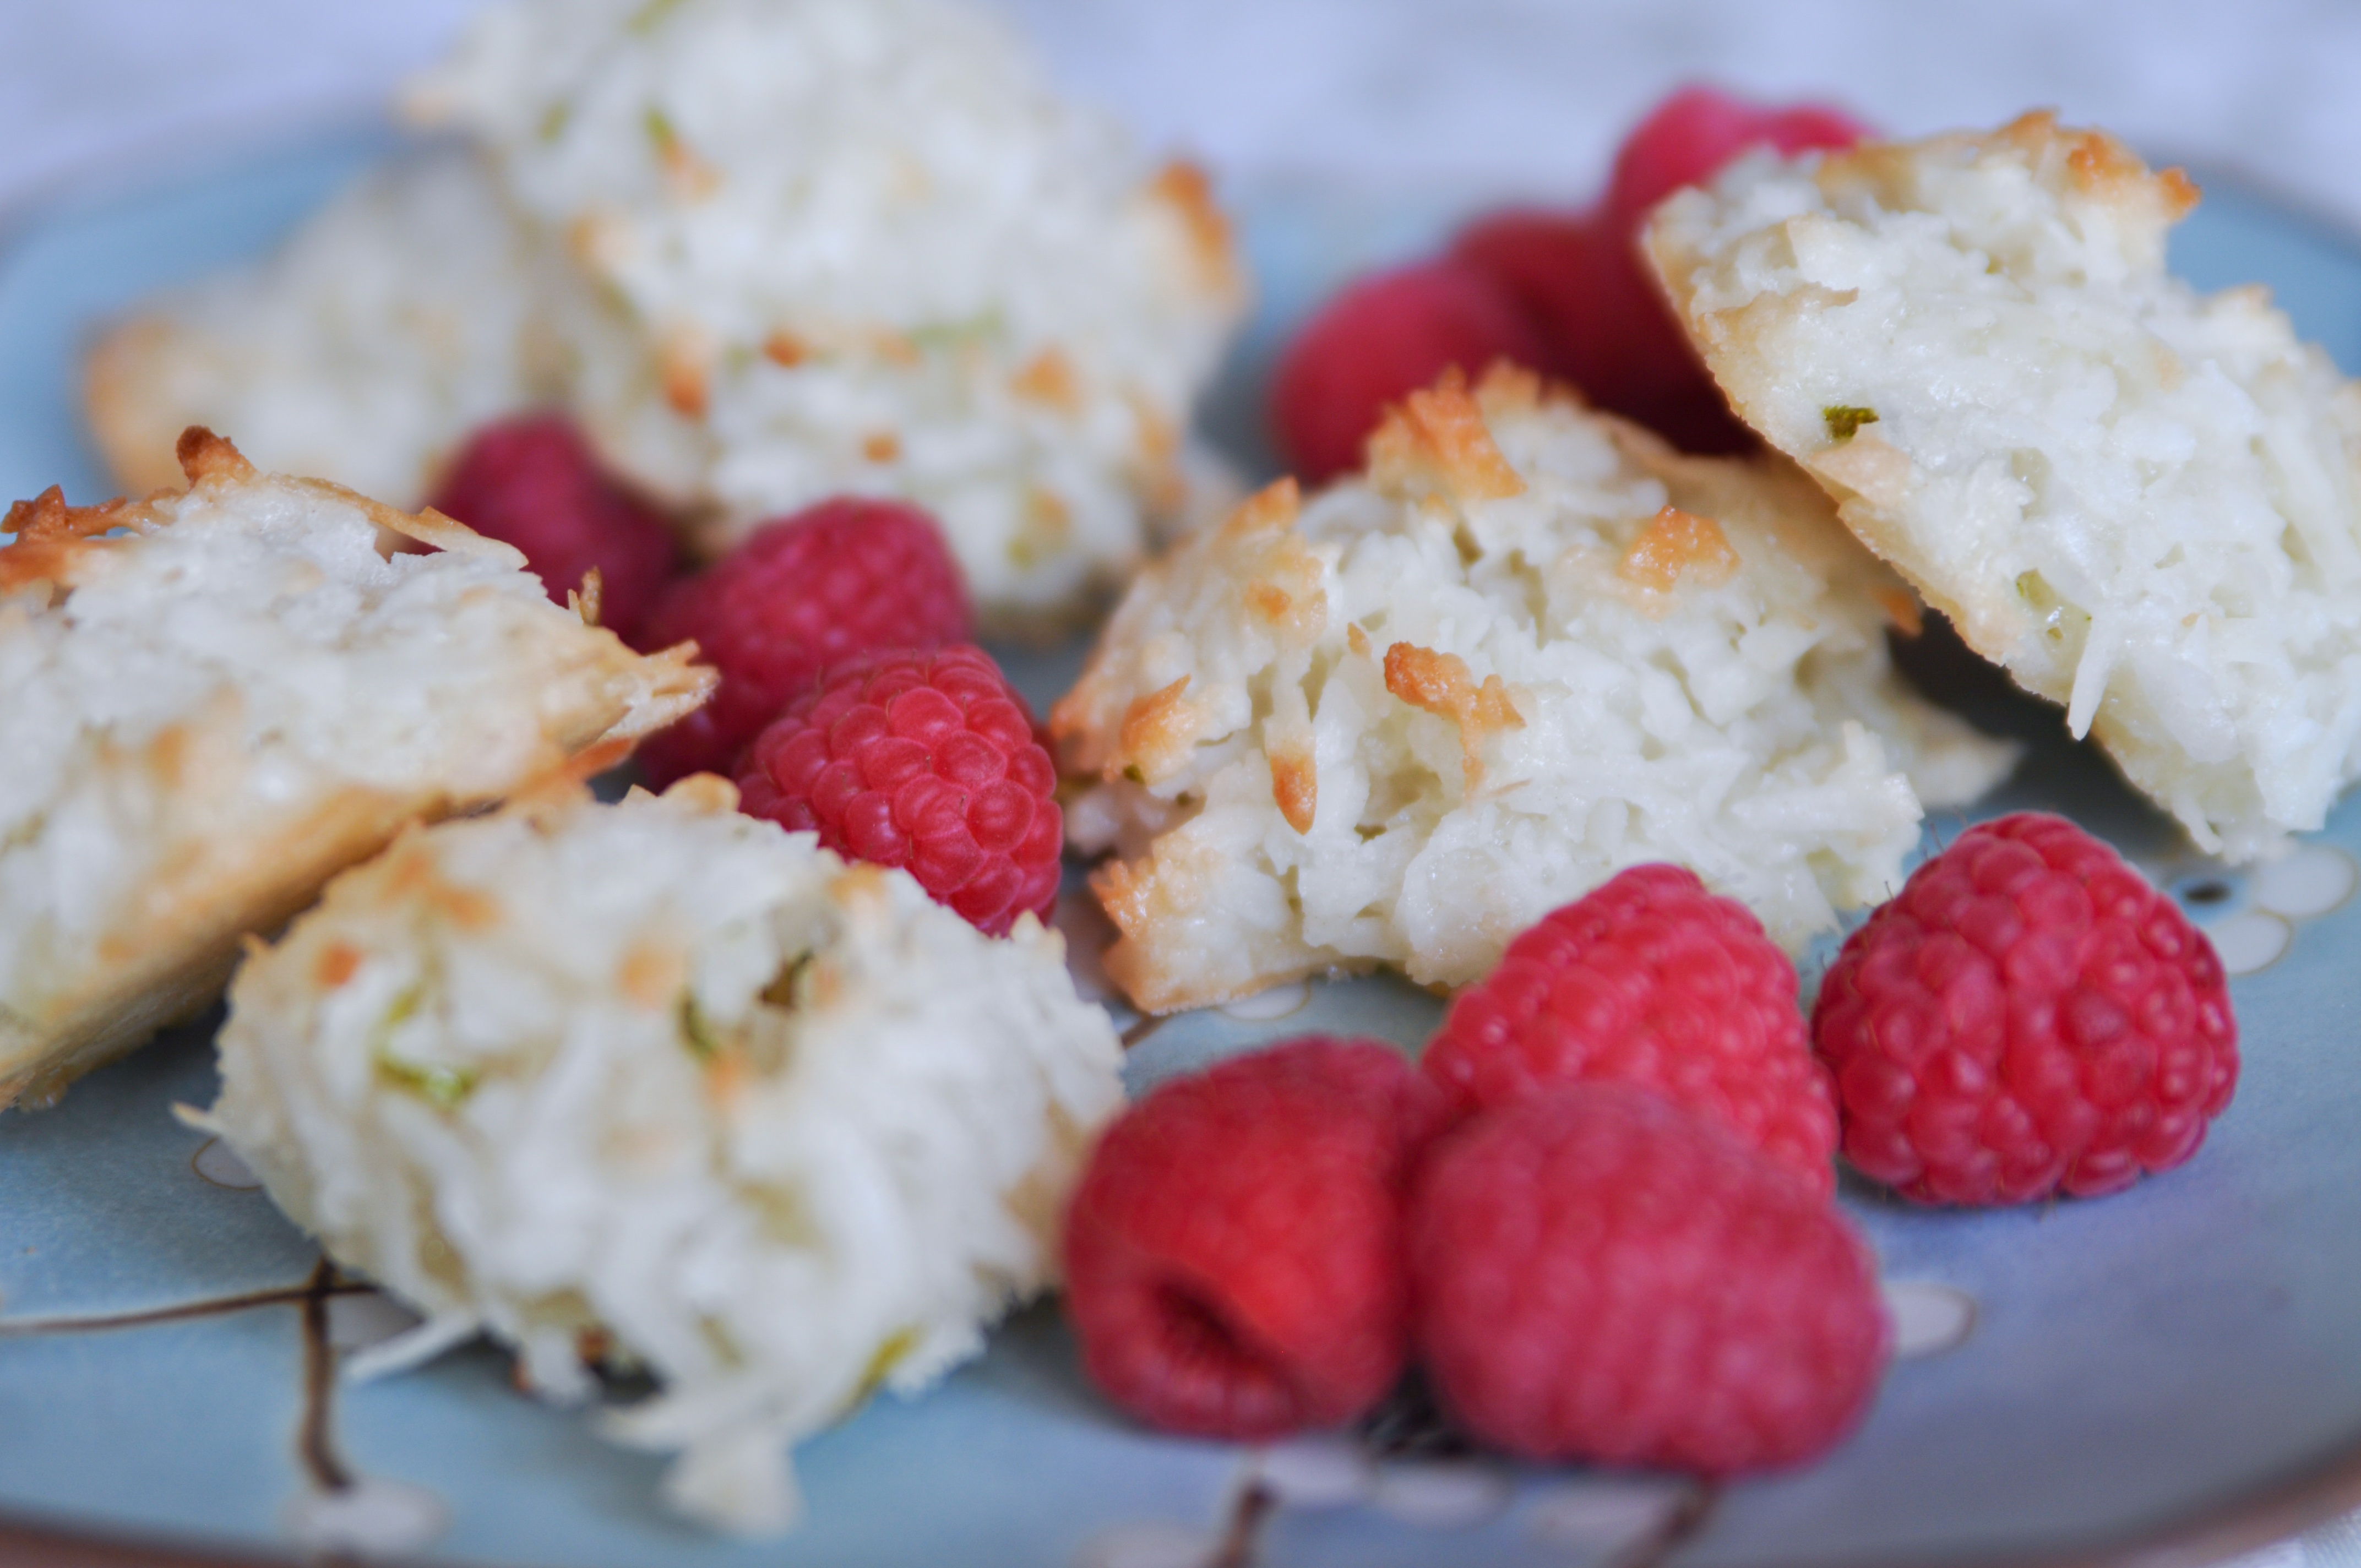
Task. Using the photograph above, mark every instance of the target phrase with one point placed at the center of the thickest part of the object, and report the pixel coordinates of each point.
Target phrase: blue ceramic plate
(2177, 1368)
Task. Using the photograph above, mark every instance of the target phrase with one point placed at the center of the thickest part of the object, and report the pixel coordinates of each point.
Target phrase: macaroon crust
(410, 309)
(660, 1085)
(859, 246)
(2144, 502)
(221, 696)
(1393, 724)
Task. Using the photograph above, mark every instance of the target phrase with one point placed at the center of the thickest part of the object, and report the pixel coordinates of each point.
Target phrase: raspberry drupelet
(925, 760)
(844, 577)
(1650, 980)
(2027, 1016)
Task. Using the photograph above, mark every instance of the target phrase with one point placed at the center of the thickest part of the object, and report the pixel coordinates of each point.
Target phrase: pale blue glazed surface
(2136, 1361)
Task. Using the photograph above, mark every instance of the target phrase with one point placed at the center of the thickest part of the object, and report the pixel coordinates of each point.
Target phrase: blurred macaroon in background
(1500, 98)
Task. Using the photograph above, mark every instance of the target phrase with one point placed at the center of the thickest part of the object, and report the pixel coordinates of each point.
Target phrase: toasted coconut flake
(203, 455)
(1674, 542)
(1438, 438)
(1295, 784)
(1439, 684)
(1158, 730)
(46, 519)
(1188, 191)
(1050, 378)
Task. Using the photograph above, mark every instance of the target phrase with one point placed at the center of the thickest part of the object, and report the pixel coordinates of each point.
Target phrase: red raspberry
(2027, 1016)
(1232, 1250)
(925, 760)
(1383, 337)
(1689, 137)
(845, 577)
(1597, 1274)
(1650, 980)
(1580, 279)
(1553, 264)
(532, 482)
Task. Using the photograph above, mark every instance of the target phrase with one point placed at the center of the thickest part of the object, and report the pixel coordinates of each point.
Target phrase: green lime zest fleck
(660, 131)
(554, 119)
(979, 328)
(438, 1083)
(399, 1012)
(648, 17)
(1131, 771)
(891, 1353)
(443, 1086)
(403, 1008)
(697, 1030)
(1843, 420)
(781, 992)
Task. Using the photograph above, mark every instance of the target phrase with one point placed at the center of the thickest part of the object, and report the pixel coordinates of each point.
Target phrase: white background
(1501, 96)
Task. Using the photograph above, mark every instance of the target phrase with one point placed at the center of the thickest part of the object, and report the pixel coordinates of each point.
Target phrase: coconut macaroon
(211, 713)
(1530, 647)
(409, 310)
(2140, 499)
(667, 1083)
(857, 245)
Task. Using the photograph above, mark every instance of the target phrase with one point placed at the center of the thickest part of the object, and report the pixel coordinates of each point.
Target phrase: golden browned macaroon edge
(1869, 480)
(170, 959)
(129, 420)
(1437, 437)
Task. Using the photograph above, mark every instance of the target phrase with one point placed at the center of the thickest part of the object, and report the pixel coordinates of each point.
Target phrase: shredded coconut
(2141, 500)
(667, 1083)
(406, 313)
(1530, 647)
(857, 245)
(210, 714)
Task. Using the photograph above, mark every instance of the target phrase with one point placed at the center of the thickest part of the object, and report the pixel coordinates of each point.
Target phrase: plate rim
(2212, 1534)
(172, 156)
